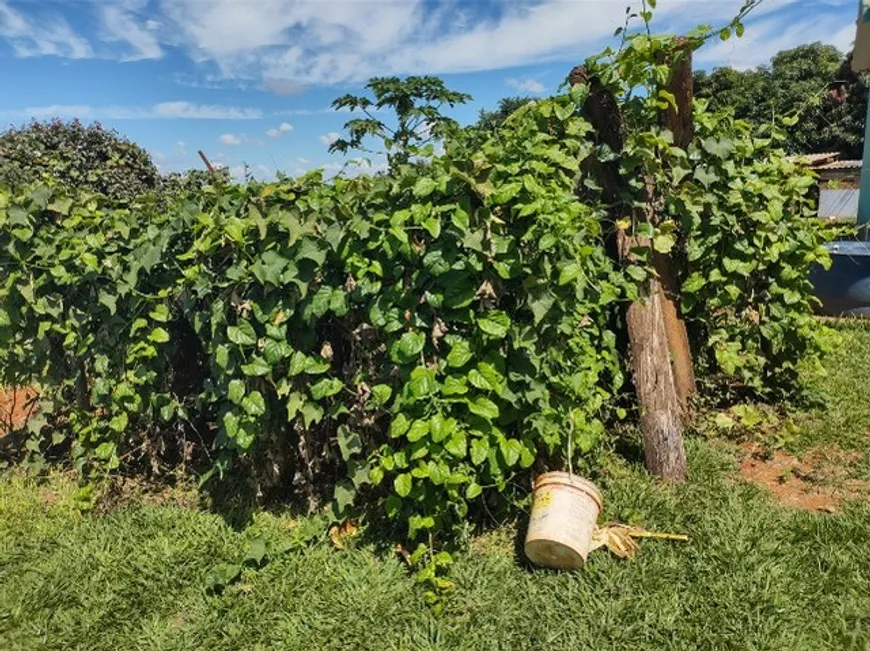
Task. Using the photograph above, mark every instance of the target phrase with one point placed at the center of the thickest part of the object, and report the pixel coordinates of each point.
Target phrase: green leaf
(705, 177)
(664, 242)
(297, 363)
(349, 442)
(637, 273)
(496, 324)
(236, 391)
(424, 187)
(254, 404)
(433, 225)
(275, 351)
(479, 451)
(344, 494)
(381, 393)
(456, 445)
(256, 367)
(109, 300)
(510, 450)
(256, 551)
(159, 336)
(160, 313)
(478, 381)
(693, 283)
(719, 147)
(473, 490)
(231, 424)
(326, 388)
(408, 348)
(570, 272)
(460, 354)
(295, 401)
(311, 413)
(242, 334)
(269, 267)
(235, 228)
(222, 356)
(399, 426)
(418, 430)
(484, 407)
(454, 387)
(119, 422)
(422, 382)
(441, 427)
(403, 484)
(495, 381)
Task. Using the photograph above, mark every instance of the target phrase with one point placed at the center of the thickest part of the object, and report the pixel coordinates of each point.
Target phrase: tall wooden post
(679, 120)
(664, 454)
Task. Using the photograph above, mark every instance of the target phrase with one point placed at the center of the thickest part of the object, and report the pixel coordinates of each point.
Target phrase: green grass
(754, 576)
(844, 420)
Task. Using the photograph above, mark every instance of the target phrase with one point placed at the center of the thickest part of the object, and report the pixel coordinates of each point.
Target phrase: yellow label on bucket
(543, 498)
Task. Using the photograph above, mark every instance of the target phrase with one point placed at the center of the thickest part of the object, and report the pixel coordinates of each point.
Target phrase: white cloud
(284, 87)
(188, 110)
(304, 161)
(285, 127)
(329, 138)
(162, 111)
(49, 35)
(286, 45)
(120, 23)
(230, 139)
(767, 35)
(527, 85)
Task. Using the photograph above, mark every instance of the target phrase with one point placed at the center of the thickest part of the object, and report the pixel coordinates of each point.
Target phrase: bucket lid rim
(573, 480)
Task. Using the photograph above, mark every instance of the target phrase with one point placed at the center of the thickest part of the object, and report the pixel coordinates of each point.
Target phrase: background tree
(416, 103)
(85, 157)
(491, 120)
(814, 81)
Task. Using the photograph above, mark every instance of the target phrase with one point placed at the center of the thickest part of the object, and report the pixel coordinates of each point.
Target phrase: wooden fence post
(664, 453)
(679, 120)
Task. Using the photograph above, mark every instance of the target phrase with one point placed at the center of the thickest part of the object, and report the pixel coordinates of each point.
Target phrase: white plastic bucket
(565, 511)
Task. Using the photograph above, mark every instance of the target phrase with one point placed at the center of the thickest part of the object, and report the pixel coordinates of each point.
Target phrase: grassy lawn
(754, 576)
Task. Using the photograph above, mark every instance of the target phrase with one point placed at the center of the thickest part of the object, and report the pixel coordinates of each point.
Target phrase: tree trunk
(664, 454)
(650, 360)
(680, 123)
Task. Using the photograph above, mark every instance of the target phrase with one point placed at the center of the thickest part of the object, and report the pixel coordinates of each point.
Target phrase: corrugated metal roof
(815, 159)
(840, 165)
(838, 203)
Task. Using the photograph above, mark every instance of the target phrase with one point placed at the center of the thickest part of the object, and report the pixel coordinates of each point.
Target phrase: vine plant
(416, 341)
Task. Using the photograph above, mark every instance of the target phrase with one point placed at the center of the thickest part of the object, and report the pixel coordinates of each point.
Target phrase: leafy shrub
(752, 237)
(447, 329)
(414, 341)
(84, 157)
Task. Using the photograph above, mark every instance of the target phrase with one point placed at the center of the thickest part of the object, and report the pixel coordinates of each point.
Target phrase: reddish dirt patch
(16, 406)
(818, 482)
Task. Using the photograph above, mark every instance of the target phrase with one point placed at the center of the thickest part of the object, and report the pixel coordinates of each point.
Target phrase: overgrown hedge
(87, 157)
(415, 341)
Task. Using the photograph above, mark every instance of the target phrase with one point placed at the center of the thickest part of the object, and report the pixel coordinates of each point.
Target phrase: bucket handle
(570, 446)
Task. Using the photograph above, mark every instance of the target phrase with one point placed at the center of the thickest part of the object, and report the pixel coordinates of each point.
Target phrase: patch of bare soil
(819, 481)
(16, 406)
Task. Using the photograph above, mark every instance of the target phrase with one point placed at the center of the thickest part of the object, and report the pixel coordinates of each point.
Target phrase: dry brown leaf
(620, 539)
(343, 533)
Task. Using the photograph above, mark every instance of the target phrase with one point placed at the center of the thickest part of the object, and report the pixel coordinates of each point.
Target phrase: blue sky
(250, 81)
